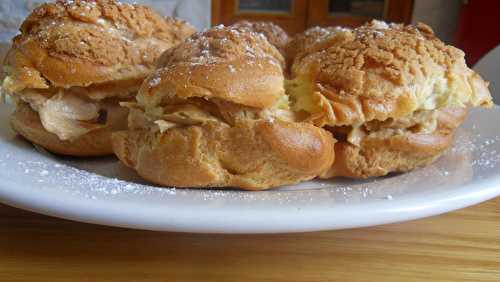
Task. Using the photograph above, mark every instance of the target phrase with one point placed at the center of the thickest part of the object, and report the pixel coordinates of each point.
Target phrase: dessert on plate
(241, 106)
(392, 95)
(215, 114)
(74, 62)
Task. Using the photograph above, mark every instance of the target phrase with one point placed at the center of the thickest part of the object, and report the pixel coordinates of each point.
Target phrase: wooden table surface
(458, 246)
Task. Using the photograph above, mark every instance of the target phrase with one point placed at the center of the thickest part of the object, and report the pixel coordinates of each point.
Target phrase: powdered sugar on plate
(106, 177)
(104, 191)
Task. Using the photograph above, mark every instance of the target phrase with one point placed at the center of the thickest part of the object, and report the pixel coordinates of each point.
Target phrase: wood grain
(458, 246)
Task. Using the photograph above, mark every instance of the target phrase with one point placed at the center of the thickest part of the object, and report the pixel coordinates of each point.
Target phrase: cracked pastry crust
(376, 72)
(74, 57)
(302, 42)
(215, 114)
(79, 43)
(274, 33)
(353, 81)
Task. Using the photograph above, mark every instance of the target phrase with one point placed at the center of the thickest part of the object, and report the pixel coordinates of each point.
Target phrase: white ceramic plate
(102, 191)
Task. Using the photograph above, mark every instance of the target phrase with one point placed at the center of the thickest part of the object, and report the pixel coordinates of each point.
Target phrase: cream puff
(392, 95)
(215, 114)
(74, 62)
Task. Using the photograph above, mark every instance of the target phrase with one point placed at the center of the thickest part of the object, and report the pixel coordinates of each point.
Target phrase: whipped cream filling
(67, 116)
(163, 118)
(73, 112)
(420, 122)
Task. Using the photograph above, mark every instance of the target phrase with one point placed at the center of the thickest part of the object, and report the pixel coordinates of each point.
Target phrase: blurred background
(470, 25)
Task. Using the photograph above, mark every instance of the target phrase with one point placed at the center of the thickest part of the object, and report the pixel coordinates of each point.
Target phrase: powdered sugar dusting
(69, 176)
(474, 156)
(380, 24)
(221, 45)
(154, 81)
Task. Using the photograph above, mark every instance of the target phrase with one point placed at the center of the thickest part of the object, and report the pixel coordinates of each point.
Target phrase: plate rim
(121, 214)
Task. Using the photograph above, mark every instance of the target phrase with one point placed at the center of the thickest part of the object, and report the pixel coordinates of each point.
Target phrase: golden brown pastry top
(274, 33)
(84, 42)
(302, 42)
(224, 63)
(380, 71)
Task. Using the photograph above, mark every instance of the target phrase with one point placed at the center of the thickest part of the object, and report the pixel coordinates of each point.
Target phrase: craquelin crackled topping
(227, 63)
(221, 44)
(302, 42)
(85, 42)
(380, 71)
(102, 31)
(274, 33)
